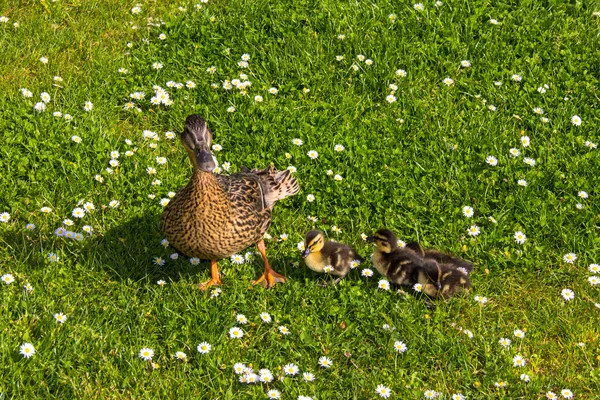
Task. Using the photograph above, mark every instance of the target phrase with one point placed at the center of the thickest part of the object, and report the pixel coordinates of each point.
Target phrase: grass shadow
(127, 253)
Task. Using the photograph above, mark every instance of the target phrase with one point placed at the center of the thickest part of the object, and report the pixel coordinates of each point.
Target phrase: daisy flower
(161, 283)
(525, 141)
(158, 261)
(367, 272)
(390, 98)
(310, 198)
(78, 212)
(457, 396)
(570, 258)
(266, 317)
(236, 333)
(473, 230)
(325, 362)
(146, 354)
(30, 227)
(519, 333)
(418, 287)
(383, 391)
(291, 369)
(467, 211)
(481, 299)
(576, 120)
(514, 152)
(566, 393)
(27, 350)
(60, 318)
(400, 347)
(525, 378)
(567, 294)
(522, 182)
(520, 237)
(517, 78)
(383, 284)
(53, 257)
(465, 63)
(88, 105)
(505, 342)
(284, 330)
(273, 394)
(241, 318)
(273, 91)
(594, 268)
(204, 348)
(401, 73)
(448, 81)
(419, 6)
(529, 161)
(7, 279)
(518, 361)
(4, 217)
(308, 376)
(430, 394)
(313, 154)
(237, 259)
(551, 396)
(582, 194)
(491, 160)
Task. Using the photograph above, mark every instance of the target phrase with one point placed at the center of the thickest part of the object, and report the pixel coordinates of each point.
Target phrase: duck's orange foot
(269, 279)
(215, 277)
(209, 283)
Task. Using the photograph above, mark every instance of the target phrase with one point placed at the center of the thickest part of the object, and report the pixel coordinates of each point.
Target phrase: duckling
(411, 264)
(216, 216)
(320, 255)
(442, 258)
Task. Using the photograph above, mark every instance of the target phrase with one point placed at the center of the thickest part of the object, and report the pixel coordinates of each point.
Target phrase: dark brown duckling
(411, 265)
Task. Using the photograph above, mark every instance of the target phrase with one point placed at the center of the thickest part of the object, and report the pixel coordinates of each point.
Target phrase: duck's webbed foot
(269, 278)
(215, 277)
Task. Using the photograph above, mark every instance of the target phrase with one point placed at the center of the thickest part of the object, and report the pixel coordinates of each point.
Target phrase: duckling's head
(197, 139)
(385, 240)
(313, 242)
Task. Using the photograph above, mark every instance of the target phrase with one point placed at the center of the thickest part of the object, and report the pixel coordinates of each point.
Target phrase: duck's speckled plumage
(215, 216)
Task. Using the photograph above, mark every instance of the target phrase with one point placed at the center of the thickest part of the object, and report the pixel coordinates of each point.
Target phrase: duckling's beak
(305, 253)
(370, 239)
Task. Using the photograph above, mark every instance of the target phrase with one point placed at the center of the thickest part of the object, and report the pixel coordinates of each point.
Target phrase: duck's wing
(276, 185)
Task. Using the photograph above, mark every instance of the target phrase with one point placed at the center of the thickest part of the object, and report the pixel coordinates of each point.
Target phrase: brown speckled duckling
(216, 216)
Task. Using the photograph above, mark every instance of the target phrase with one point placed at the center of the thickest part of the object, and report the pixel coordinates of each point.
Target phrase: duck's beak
(370, 239)
(305, 253)
(205, 160)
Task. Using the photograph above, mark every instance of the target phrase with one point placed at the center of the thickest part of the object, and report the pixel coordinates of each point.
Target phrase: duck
(438, 274)
(328, 256)
(215, 216)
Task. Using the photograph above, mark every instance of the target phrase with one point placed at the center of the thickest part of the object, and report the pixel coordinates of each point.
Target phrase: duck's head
(313, 242)
(385, 240)
(197, 139)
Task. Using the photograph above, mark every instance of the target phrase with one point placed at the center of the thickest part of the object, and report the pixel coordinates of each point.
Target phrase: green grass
(410, 165)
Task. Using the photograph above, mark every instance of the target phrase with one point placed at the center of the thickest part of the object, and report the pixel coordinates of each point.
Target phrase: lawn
(467, 126)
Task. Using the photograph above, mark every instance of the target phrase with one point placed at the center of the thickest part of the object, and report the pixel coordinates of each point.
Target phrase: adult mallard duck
(216, 216)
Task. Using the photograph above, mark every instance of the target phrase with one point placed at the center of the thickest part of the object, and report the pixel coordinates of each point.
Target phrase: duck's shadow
(132, 250)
